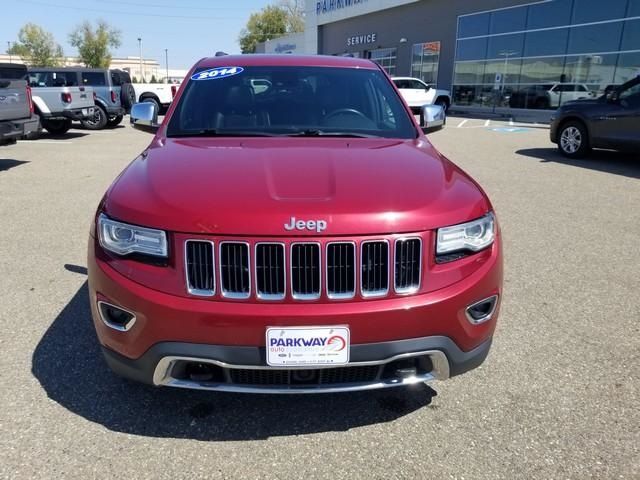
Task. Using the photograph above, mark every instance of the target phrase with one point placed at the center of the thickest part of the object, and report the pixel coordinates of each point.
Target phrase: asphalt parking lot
(557, 398)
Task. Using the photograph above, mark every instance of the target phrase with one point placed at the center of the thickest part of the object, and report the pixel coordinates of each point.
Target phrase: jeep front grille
(407, 265)
(270, 271)
(235, 274)
(341, 271)
(199, 266)
(375, 268)
(303, 271)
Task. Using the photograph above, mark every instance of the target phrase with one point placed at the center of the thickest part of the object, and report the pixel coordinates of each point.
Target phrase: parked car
(307, 238)
(611, 122)
(417, 93)
(56, 102)
(160, 94)
(550, 95)
(17, 118)
(109, 110)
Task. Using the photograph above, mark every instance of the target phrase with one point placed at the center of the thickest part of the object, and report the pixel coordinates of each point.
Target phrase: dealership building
(496, 55)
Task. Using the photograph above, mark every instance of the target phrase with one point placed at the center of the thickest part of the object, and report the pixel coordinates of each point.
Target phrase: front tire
(573, 140)
(115, 121)
(98, 121)
(57, 127)
(444, 103)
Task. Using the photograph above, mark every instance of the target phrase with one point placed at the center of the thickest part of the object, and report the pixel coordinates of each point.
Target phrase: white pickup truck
(417, 93)
(159, 93)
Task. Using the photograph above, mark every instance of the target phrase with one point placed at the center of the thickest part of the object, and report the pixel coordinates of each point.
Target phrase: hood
(254, 186)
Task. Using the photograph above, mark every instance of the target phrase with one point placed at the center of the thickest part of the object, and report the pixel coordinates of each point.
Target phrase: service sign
(307, 346)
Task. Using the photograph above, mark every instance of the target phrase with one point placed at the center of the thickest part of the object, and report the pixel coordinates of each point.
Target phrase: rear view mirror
(144, 116)
(432, 116)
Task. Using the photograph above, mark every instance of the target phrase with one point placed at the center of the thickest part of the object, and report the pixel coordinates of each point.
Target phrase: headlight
(121, 238)
(475, 236)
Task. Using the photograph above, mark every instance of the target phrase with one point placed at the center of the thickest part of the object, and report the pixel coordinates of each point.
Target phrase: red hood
(254, 186)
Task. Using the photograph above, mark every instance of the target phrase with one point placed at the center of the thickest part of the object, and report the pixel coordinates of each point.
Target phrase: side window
(582, 88)
(116, 81)
(93, 79)
(387, 118)
(416, 85)
(631, 96)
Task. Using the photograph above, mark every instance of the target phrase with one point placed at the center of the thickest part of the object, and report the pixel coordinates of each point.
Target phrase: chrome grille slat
(408, 268)
(305, 263)
(341, 272)
(235, 274)
(270, 271)
(374, 268)
(199, 267)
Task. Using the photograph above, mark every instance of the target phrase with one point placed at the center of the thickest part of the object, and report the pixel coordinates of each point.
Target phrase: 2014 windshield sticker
(216, 73)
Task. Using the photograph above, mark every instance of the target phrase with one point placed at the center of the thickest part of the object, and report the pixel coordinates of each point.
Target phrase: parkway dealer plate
(307, 346)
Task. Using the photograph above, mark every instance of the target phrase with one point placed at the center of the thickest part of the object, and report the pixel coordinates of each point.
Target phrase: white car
(417, 93)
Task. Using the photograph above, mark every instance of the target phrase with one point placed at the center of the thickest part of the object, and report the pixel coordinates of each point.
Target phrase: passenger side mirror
(613, 96)
(432, 116)
(144, 116)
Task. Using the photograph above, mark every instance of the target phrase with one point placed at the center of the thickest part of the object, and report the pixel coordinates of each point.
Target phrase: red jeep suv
(290, 229)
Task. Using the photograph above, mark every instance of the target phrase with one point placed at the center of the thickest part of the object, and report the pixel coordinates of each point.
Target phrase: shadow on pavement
(69, 365)
(617, 163)
(65, 136)
(8, 163)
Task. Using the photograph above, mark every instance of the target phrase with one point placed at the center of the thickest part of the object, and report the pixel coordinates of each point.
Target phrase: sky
(189, 29)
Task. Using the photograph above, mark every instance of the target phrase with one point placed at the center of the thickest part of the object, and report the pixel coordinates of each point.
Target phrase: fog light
(116, 317)
(482, 311)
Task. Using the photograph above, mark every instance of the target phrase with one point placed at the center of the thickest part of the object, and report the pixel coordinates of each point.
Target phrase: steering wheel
(347, 111)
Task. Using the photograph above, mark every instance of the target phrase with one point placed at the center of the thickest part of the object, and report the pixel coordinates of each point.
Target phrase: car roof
(261, 60)
(406, 78)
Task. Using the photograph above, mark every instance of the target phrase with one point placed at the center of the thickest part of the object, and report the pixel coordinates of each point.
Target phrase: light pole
(9, 51)
(140, 49)
(506, 54)
(166, 60)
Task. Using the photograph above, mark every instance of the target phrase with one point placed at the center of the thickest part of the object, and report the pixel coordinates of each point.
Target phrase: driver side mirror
(144, 116)
(613, 96)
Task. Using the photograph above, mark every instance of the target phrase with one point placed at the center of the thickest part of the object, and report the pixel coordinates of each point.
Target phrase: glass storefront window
(631, 35)
(425, 60)
(542, 70)
(506, 45)
(386, 58)
(555, 60)
(595, 38)
(473, 25)
(546, 42)
(508, 20)
(550, 14)
(474, 49)
(585, 11)
(628, 67)
(469, 73)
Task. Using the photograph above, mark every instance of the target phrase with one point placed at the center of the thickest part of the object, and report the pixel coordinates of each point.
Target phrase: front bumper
(243, 370)
(230, 336)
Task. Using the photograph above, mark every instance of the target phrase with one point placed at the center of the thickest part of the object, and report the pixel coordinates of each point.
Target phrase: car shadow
(69, 365)
(65, 136)
(617, 163)
(9, 163)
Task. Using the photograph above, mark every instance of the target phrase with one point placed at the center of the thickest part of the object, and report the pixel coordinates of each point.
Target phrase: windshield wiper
(213, 132)
(321, 133)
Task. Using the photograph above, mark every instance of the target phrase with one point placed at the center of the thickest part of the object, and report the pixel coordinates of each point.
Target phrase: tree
(37, 47)
(295, 15)
(93, 44)
(273, 21)
(153, 79)
(134, 80)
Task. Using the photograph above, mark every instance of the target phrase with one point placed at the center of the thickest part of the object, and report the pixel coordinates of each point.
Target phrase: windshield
(278, 100)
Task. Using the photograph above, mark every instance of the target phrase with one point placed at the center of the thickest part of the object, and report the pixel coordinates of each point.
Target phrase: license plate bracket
(307, 346)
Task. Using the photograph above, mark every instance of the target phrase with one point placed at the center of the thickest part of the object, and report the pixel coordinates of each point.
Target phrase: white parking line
(48, 142)
(462, 123)
(511, 123)
(487, 123)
